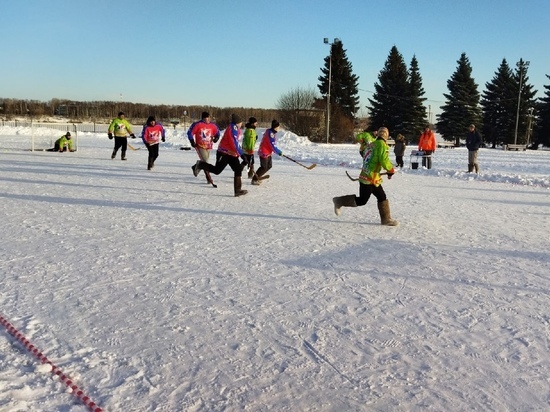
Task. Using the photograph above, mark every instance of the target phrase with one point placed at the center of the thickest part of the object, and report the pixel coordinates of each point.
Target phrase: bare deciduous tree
(297, 111)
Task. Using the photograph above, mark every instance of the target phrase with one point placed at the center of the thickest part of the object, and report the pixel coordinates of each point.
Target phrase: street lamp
(525, 66)
(325, 40)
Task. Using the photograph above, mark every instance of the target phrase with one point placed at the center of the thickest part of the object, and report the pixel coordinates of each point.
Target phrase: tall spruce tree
(391, 100)
(526, 101)
(542, 130)
(344, 91)
(462, 103)
(416, 117)
(499, 100)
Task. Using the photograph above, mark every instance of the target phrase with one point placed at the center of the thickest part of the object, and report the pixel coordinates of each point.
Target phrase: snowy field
(154, 291)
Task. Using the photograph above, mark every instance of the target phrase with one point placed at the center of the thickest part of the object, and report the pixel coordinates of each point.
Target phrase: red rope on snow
(55, 370)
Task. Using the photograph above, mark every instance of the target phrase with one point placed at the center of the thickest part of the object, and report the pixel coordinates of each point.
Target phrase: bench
(516, 147)
(445, 145)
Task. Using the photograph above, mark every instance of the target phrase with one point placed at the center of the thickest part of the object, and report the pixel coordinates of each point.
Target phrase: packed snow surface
(155, 291)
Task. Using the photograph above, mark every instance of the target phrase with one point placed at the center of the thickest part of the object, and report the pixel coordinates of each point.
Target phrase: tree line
(506, 111)
(105, 111)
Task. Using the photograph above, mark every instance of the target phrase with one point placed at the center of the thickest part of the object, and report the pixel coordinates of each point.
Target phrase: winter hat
(204, 115)
(151, 119)
(384, 133)
(252, 120)
(274, 124)
(235, 118)
(68, 134)
(121, 114)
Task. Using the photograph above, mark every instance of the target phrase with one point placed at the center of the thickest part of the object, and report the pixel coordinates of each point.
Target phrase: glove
(216, 138)
(390, 175)
(193, 144)
(245, 160)
(110, 136)
(133, 136)
(163, 139)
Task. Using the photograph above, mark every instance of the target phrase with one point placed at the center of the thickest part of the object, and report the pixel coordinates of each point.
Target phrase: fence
(66, 127)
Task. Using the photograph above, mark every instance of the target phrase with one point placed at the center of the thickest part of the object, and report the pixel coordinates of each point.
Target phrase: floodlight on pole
(525, 66)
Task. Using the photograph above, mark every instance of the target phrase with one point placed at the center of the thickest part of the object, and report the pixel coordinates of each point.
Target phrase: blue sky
(249, 53)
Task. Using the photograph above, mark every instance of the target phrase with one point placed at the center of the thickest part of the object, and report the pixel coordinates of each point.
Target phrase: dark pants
(427, 161)
(265, 164)
(56, 148)
(222, 160)
(399, 160)
(120, 143)
(248, 160)
(153, 153)
(366, 190)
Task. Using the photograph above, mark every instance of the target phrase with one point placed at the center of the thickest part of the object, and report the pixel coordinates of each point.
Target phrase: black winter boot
(348, 201)
(237, 185)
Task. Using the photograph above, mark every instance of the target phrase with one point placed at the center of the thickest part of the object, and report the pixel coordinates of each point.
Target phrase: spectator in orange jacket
(427, 145)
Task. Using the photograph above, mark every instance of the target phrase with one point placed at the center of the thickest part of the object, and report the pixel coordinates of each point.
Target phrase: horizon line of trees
(105, 111)
(505, 112)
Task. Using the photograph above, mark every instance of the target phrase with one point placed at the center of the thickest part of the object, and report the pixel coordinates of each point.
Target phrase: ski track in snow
(156, 292)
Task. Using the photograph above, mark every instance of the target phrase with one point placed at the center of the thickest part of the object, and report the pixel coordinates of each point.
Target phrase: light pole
(325, 40)
(529, 126)
(525, 66)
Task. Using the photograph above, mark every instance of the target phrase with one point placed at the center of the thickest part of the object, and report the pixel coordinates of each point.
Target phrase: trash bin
(415, 155)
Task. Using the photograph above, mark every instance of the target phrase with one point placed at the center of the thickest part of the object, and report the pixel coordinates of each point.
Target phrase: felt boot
(196, 168)
(237, 185)
(385, 215)
(348, 201)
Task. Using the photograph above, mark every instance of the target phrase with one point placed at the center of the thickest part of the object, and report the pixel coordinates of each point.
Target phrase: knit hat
(68, 134)
(252, 120)
(204, 115)
(121, 114)
(235, 118)
(151, 119)
(274, 124)
(384, 133)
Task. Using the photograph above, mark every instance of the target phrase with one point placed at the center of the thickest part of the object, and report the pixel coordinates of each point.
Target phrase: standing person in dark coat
(399, 149)
(473, 143)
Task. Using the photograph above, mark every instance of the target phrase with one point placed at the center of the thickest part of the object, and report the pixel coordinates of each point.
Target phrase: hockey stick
(307, 167)
(355, 179)
(133, 148)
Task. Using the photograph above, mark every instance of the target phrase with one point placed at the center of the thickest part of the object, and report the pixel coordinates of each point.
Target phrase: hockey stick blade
(353, 179)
